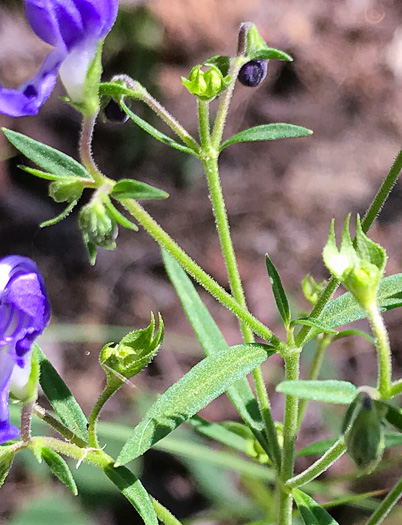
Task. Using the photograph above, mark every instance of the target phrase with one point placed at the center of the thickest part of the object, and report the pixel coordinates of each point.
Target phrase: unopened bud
(253, 73)
(206, 85)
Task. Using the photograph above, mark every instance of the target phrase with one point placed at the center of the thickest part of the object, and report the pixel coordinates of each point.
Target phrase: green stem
(205, 280)
(322, 344)
(320, 466)
(174, 125)
(226, 97)
(289, 436)
(369, 217)
(396, 388)
(269, 423)
(110, 389)
(87, 130)
(210, 162)
(386, 505)
(59, 427)
(383, 349)
(163, 514)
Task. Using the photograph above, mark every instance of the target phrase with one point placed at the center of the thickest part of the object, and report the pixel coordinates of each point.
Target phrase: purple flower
(74, 28)
(24, 314)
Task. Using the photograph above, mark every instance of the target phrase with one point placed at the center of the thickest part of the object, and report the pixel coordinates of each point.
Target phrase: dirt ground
(345, 84)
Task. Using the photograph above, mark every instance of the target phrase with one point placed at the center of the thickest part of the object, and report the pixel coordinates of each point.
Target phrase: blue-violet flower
(74, 28)
(24, 314)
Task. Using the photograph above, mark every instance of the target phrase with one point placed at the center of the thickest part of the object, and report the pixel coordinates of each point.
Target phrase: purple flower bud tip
(253, 73)
(74, 28)
(24, 314)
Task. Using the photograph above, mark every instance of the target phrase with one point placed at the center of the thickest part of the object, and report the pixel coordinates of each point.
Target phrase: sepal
(359, 265)
(206, 85)
(133, 353)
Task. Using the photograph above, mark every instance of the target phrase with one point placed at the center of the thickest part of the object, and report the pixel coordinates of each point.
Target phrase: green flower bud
(208, 84)
(66, 190)
(358, 265)
(134, 352)
(99, 227)
(364, 430)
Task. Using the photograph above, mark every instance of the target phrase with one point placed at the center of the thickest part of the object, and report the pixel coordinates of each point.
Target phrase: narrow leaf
(6, 461)
(158, 135)
(61, 399)
(315, 323)
(271, 53)
(345, 309)
(120, 218)
(394, 416)
(194, 391)
(331, 391)
(317, 449)
(131, 487)
(63, 215)
(310, 511)
(278, 291)
(39, 173)
(59, 468)
(134, 189)
(268, 132)
(219, 432)
(46, 157)
(212, 340)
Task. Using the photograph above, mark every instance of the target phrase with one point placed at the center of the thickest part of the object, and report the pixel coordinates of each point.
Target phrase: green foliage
(55, 162)
(267, 132)
(330, 391)
(134, 189)
(131, 487)
(6, 460)
(59, 468)
(256, 48)
(61, 399)
(66, 189)
(310, 511)
(279, 293)
(203, 383)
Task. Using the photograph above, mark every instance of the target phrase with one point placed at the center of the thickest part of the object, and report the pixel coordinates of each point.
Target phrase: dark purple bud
(114, 113)
(253, 73)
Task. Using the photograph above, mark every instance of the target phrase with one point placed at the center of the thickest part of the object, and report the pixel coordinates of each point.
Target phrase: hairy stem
(289, 437)
(383, 349)
(320, 466)
(386, 505)
(205, 280)
(26, 419)
(87, 130)
(59, 427)
(110, 389)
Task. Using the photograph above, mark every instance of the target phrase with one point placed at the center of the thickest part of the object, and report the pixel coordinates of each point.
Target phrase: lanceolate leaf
(158, 135)
(279, 293)
(212, 341)
(345, 309)
(268, 132)
(394, 416)
(320, 327)
(48, 158)
(270, 53)
(310, 511)
(330, 391)
(203, 383)
(134, 189)
(61, 399)
(59, 468)
(131, 487)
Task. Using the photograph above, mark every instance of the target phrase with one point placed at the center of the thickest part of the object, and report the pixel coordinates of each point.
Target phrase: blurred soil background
(345, 84)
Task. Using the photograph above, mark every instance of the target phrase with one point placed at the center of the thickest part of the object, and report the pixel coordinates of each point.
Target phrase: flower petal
(28, 98)
(7, 431)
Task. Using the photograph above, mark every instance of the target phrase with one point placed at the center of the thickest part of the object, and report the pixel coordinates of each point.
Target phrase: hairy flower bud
(253, 73)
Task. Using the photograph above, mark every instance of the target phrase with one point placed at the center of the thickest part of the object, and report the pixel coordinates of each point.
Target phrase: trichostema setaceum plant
(372, 421)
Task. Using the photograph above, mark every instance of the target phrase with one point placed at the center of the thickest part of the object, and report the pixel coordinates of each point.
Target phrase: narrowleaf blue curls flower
(24, 314)
(75, 28)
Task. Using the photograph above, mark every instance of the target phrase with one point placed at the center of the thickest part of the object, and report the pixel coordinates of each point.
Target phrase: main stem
(289, 437)
(210, 162)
